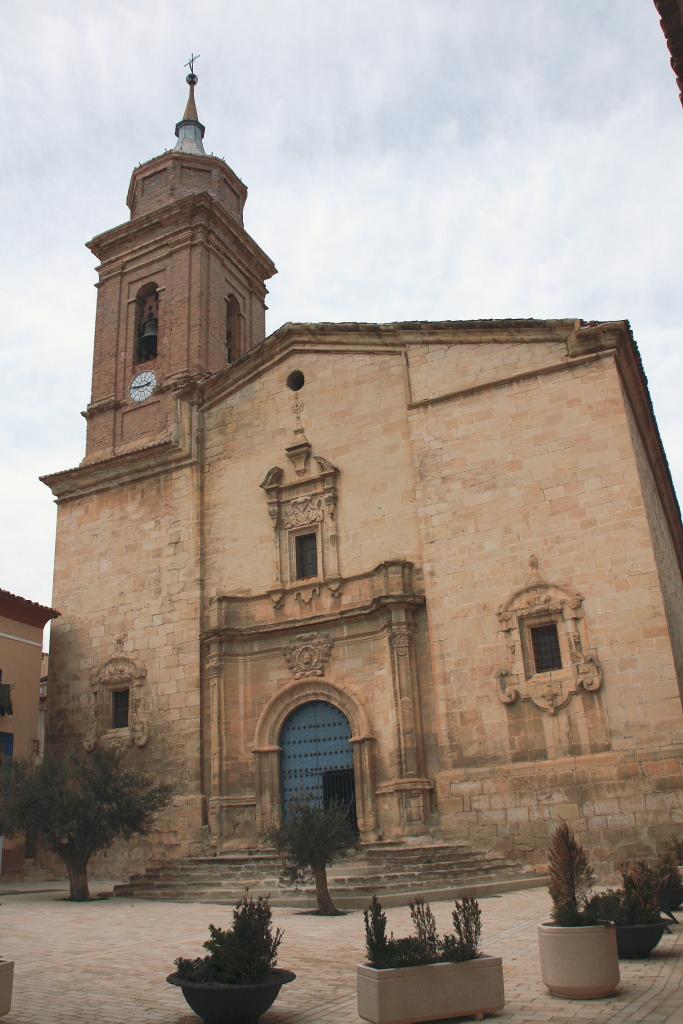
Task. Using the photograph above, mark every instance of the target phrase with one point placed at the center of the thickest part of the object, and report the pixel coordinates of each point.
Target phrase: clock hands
(142, 386)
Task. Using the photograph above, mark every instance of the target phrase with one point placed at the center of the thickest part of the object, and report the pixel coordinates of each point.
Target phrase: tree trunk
(322, 893)
(78, 878)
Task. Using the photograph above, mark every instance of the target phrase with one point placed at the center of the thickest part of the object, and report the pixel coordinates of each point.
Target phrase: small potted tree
(309, 840)
(634, 910)
(426, 976)
(578, 951)
(238, 981)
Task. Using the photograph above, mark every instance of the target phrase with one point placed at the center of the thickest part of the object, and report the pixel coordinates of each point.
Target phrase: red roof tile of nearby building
(22, 610)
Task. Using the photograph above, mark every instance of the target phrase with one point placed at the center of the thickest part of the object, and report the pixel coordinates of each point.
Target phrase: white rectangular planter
(432, 992)
(6, 978)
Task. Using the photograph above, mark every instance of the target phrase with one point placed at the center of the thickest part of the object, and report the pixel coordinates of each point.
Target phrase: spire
(190, 130)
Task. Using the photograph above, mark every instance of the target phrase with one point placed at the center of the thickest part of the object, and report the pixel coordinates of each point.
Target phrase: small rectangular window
(119, 709)
(306, 556)
(5, 697)
(6, 746)
(546, 647)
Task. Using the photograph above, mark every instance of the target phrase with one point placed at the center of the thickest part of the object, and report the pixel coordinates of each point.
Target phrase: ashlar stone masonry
(430, 569)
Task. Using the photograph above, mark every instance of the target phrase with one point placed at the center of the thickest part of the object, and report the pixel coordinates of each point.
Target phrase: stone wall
(546, 466)
(621, 804)
(127, 583)
(670, 580)
(486, 469)
(354, 415)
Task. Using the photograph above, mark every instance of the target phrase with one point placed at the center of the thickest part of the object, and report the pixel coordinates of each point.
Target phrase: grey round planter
(232, 1004)
(636, 941)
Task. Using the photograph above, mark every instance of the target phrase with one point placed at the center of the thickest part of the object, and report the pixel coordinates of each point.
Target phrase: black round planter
(635, 941)
(232, 1004)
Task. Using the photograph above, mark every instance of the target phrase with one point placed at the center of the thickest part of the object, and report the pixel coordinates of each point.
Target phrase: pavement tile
(107, 960)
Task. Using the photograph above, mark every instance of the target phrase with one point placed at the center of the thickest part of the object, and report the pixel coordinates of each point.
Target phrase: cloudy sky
(406, 159)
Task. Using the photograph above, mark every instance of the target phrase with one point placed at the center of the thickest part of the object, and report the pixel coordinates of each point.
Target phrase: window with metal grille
(119, 709)
(306, 556)
(5, 697)
(546, 646)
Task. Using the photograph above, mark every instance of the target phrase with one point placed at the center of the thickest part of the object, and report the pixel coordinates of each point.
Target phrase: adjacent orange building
(21, 650)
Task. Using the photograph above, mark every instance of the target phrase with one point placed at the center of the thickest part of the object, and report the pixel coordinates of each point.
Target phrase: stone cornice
(167, 455)
(157, 163)
(632, 374)
(314, 602)
(378, 339)
(175, 224)
(514, 378)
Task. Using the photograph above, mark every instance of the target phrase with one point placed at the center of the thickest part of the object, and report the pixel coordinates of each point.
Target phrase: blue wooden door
(316, 763)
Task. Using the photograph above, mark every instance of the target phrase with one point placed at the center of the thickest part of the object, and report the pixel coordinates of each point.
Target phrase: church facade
(432, 570)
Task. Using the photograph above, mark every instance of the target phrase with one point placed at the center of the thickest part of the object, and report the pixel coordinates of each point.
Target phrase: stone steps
(395, 873)
(189, 870)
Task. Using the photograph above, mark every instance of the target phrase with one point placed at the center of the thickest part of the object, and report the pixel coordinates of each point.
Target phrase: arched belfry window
(146, 323)
(233, 329)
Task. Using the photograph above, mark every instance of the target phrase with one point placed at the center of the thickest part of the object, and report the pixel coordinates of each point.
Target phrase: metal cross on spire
(190, 130)
(190, 63)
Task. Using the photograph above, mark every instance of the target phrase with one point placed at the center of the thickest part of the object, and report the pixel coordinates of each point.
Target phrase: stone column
(364, 776)
(213, 671)
(268, 795)
(409, 789)
(405, 696)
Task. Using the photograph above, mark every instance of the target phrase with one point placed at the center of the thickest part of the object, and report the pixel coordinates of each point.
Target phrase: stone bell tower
(181, 292)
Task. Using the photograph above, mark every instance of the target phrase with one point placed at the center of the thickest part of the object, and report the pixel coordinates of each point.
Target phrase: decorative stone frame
(539, 603)
(119, 673)
(267, 752)
(306, 505)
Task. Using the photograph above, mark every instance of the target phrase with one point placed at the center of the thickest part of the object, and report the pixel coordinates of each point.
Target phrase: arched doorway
(316, 762)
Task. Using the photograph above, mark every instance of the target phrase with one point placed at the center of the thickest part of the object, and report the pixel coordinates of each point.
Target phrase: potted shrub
(6, 979)
(673, 848)
(578, 951)
(426, 976)
(238, 981)
(634, 910)
(669, 871)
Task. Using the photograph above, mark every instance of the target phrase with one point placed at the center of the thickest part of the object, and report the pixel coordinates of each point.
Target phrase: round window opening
(296, 380)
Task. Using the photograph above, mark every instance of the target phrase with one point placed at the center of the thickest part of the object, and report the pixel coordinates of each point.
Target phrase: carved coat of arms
(308, 654)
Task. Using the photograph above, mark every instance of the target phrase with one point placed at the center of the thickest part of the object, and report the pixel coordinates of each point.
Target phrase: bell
(149, 328)
(147, 338)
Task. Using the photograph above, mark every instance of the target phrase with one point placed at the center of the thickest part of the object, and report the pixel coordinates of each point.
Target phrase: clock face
(142, 386)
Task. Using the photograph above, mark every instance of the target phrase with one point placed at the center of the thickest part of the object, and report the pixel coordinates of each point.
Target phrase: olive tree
(309, 840)
(79, 803)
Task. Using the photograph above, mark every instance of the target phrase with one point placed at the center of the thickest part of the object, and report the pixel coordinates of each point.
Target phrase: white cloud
(439, 159)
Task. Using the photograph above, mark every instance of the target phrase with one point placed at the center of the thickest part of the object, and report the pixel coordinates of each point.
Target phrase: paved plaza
(106, 962)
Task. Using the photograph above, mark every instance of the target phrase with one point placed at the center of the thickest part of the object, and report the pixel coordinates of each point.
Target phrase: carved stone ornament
(307, 655)
(272, 478)
(213, 666)
(117, 673)
(539, 602)
(306, 503)
(304, 511)
(399, 638)
(551, 691)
